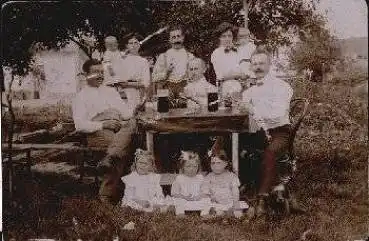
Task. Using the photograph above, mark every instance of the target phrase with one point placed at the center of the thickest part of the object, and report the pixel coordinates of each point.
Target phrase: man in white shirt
(268, 103)
(99, 111)
(171, 67)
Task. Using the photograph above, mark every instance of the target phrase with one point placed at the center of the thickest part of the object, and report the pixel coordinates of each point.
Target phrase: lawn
(331, 183)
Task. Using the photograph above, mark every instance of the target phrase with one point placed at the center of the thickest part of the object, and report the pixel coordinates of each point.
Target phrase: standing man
(171, 66)
(268, 103)
(99, 111)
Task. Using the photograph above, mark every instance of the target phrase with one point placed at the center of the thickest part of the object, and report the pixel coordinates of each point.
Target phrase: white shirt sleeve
(217, 64)
(116, 102)
(145, 74)
(80, 117)
(160, 69)
(285, 97)
(246, 97)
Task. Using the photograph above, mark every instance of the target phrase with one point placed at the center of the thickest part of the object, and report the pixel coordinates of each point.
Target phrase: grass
(331, 183)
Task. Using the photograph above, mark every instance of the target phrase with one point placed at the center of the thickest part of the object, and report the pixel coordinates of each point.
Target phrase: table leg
(235, 152)
(150, 141)
(29, 162)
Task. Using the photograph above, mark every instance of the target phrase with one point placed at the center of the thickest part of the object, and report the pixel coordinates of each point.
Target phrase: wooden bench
(28, 148)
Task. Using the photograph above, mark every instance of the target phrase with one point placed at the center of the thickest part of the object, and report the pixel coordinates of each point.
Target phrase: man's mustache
(259, 70)
(178, 42)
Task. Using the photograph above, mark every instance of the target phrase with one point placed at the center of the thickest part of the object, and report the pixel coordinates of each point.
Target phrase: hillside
(357, 46)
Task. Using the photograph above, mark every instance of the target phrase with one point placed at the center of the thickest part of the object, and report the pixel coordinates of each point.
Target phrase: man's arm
(160, 71)
(245, 103)
(215, 60)
(286, 97)
(81, 121)
(145, 74)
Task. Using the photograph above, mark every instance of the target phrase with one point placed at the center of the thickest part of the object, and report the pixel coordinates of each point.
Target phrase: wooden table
(198, 121)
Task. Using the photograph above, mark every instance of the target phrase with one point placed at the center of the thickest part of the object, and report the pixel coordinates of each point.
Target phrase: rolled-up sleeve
(215, 60)
(145, 75)
(117, 103)
(80, 117)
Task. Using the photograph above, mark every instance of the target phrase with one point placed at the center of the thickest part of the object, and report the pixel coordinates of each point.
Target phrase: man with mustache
(171, 66)
(268, 103)
(99, 111)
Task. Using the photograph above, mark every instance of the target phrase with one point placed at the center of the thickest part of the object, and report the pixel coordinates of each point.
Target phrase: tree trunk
(246, 6)
(10, 127)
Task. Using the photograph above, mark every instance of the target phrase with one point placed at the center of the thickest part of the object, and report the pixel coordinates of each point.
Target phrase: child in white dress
(142, 186)
(222, 186)
(186, 188)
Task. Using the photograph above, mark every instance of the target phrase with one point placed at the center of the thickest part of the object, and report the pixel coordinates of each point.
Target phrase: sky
(346, 18)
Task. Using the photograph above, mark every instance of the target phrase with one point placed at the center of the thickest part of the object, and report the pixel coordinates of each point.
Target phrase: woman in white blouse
(136, 71)
(225, 60)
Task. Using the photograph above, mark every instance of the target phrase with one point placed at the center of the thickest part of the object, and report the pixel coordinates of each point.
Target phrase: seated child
(222, 185)
(186, 188)
(143, 191)
(197, 87)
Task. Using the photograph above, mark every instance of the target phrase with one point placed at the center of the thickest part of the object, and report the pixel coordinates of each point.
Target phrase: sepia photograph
(184, 120)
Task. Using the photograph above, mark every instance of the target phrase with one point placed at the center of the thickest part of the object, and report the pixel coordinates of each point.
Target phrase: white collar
(266, 79)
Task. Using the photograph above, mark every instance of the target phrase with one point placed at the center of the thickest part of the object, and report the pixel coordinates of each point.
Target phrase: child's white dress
(143, 187)
(189, 186)
(219, 187)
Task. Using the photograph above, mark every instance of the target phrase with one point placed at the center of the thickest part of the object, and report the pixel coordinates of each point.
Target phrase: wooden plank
(177, 121)
(150, 141)
(25, 147)
(201, 113)
(235, 164)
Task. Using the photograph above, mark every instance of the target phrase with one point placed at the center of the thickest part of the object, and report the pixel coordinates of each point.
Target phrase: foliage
(316, 51)
(269, 21)
(53, 24)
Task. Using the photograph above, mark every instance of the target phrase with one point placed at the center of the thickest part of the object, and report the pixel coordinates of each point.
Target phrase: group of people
(105, 108)
(191, 191)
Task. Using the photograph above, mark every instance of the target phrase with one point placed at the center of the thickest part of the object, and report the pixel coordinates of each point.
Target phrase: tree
(317, 50)
(53, 24)
(268, 20)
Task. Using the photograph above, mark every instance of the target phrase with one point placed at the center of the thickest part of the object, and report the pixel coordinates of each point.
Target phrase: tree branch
(81, 46)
